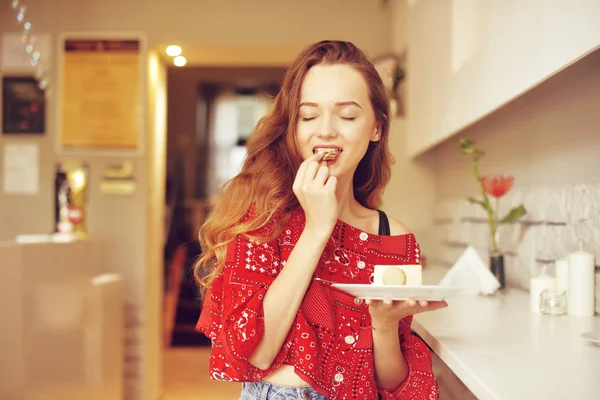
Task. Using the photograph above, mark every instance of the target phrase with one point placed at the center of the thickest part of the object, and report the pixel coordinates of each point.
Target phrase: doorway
(211, 113)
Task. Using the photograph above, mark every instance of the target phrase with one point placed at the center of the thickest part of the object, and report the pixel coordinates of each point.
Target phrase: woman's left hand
(387, 313)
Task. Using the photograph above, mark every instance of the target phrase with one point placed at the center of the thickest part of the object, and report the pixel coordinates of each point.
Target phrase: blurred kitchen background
(121, 120)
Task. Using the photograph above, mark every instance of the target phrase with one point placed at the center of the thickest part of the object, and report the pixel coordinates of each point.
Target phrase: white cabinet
(467, 58)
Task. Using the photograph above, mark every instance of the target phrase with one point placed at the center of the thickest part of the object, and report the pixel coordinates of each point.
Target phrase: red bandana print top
(330, 344)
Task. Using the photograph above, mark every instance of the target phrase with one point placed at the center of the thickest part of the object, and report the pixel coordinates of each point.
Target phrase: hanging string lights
(29, 43)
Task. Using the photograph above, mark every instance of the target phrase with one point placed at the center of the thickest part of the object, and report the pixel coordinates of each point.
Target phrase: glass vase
(497, 262)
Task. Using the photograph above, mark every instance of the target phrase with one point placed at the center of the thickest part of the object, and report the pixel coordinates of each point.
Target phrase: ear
(376, 136)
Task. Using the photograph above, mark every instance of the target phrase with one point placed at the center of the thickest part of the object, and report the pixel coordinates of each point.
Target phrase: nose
(326, 129)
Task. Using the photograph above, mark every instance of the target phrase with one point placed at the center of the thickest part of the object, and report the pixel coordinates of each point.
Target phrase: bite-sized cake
(410, 275)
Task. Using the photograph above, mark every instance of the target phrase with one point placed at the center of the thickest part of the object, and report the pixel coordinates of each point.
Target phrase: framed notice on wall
(101, 102)
(23, 106)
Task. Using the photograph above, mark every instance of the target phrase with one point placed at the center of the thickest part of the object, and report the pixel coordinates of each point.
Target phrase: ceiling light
(179, 61)
(173, 50)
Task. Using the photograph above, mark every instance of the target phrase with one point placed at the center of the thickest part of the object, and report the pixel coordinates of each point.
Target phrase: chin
(336, 170)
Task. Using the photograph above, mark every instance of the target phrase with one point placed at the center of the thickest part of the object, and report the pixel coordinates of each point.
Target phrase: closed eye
(306, 119)
(350, 119)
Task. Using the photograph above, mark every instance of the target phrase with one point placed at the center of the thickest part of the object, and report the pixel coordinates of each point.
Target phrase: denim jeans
(267, 391)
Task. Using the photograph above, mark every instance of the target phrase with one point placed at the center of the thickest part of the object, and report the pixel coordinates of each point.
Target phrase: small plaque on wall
(118, 180)
(118, 187)
(23, 106)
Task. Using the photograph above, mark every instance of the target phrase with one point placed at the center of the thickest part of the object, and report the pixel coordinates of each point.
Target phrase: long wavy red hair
(266, 177)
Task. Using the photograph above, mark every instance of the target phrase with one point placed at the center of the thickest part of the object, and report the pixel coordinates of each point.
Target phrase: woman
(304, 213)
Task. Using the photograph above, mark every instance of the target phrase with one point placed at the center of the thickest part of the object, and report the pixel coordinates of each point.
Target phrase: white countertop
(500, 350)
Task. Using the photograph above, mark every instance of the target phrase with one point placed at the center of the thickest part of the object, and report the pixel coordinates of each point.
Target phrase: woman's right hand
(315, 190)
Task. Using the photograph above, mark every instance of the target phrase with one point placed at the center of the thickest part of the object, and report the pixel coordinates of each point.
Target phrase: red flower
(497, 186)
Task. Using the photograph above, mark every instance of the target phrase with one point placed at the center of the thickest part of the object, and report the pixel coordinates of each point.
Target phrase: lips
(330, 153)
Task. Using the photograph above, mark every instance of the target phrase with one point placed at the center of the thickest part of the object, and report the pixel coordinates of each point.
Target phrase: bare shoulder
(397, 227)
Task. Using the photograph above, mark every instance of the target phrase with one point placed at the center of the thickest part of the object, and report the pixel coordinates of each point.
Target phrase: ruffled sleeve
(420, 382)
(233, 316)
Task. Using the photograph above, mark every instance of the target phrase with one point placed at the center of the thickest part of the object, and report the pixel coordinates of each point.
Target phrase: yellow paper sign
(101, 101)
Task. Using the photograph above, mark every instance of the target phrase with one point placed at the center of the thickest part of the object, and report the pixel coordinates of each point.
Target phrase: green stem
(497, 208)
(488, 207)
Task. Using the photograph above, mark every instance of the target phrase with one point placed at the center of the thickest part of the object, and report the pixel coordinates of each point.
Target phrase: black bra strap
(384, 224)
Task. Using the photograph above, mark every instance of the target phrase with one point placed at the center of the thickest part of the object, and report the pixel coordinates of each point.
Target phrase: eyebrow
(340, 104)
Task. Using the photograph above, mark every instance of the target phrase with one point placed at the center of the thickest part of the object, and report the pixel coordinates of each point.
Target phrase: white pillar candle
(562, 275)
(537, 285)
(581, 284)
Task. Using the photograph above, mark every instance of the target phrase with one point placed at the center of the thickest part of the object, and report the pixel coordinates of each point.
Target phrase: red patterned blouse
(330, 344)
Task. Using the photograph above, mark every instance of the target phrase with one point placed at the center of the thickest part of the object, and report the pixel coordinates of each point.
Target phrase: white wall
(549, 136)
(470, 57)
(411, 192)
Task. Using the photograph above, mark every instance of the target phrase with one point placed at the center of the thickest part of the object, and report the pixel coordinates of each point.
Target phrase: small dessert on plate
(409, 275)
(397, 282)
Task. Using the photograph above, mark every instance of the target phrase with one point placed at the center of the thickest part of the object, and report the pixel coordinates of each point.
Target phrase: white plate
(592, 337)
(397, 292)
